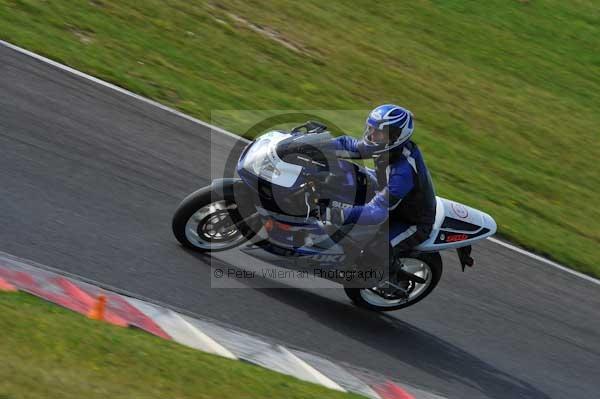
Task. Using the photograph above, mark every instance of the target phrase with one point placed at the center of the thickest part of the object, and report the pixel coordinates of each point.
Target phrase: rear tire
(368, 298)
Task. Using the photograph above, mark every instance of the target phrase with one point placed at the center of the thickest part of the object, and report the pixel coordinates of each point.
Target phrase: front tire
(427, 266)
(203, 222)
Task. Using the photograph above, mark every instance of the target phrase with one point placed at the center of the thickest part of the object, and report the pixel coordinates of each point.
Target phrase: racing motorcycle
(285, 179)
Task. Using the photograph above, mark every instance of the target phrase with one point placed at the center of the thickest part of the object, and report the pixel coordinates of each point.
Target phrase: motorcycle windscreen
(262, 160)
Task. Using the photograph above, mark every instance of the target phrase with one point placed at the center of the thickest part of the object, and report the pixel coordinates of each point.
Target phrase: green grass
(506, 93)
(50, 352)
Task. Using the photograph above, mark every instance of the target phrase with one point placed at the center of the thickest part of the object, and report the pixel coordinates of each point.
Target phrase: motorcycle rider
(405, 202)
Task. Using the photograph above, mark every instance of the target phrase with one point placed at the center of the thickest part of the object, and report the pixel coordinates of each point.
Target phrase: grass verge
(51, 352)
(506, 93)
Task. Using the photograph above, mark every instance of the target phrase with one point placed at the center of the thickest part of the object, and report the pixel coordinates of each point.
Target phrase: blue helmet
(387, 127)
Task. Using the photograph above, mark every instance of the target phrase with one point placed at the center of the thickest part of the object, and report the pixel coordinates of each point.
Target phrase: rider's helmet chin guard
(387, 128)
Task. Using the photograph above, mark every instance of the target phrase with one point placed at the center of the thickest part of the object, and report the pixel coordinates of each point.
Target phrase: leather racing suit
(405, 201)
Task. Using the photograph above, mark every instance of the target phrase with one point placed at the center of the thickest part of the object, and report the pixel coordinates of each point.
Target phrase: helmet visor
(375, 136)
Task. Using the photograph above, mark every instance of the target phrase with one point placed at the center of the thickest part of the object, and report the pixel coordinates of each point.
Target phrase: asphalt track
(89, 179)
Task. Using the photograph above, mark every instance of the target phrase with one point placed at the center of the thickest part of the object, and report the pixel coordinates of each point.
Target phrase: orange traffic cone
(5, 286)
(97, 311)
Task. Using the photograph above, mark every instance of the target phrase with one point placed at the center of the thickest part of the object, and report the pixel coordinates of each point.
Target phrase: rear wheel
(398, 293)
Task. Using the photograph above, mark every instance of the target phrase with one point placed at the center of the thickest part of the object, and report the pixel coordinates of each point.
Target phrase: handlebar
(310, 127)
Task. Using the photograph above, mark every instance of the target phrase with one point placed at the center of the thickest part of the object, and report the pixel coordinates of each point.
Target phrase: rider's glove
(332, 216)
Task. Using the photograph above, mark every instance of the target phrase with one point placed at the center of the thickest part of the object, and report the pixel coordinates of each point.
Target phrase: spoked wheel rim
(384, 296)
(211, 227)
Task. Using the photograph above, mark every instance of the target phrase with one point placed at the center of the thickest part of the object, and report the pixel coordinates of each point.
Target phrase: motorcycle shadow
(386, 335)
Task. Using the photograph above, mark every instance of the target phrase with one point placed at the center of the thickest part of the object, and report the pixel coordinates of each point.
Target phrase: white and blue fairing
(457, 225)
(262, 161)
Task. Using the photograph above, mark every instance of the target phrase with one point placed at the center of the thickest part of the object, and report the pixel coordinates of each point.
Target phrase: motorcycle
(285, 179)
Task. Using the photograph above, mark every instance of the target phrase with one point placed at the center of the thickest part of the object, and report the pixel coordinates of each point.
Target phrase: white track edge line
(119, 89)
(544, 260)
(225, 132)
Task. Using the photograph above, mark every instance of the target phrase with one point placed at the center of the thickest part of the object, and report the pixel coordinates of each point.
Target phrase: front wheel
(404, 293)
(203, 222)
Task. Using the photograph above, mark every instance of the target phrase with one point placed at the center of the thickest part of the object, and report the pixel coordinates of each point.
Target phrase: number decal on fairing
(460, 210)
